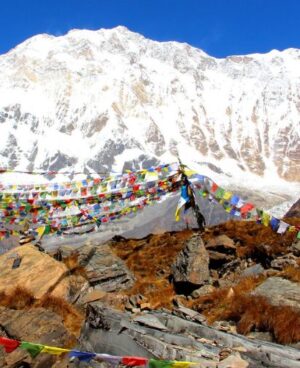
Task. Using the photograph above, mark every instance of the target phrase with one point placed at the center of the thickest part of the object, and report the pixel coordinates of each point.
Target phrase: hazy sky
(219, 27)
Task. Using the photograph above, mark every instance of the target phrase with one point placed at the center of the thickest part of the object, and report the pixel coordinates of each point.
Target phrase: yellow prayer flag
(53, 350)
(227, 195)
(265, 218)
(40, 230)
(183, 364)
(189, 172)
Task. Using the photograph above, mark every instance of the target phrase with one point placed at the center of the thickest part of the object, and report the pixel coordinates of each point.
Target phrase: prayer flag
(82, 356)
(53, 350)
(134, 361)
(184, 198)
(32, 349)
(9, 344)
(282, 227)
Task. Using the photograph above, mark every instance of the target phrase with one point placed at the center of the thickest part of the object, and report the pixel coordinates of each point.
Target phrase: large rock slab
(38, 272)
(280, 292)
(115, 332)
(35, 325)
(191, 266)
(106, 271)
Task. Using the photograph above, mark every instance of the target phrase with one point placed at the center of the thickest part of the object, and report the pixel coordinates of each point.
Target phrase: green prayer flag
(219, 193)
(298, 235)
(160, 363)
(33, 349)
(47, 229)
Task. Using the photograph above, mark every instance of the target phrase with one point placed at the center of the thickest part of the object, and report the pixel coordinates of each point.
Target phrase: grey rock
(150, 321)
(191, 265)
(280, 292)
(106, 271)
(287, 260)
(114, 332)
(203, 290)
(264, 336)
(253, 270)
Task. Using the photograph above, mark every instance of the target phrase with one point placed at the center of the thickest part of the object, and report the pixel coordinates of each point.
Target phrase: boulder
(203, 290)
(31, 272)
(254, 270)
(191, 266)
(280, 292)
(35, 325)
(280, 263)
(106, 271)
(221, 243)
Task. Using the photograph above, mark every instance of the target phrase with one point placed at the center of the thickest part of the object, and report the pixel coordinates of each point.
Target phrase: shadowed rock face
(190, 269)
(294, 211)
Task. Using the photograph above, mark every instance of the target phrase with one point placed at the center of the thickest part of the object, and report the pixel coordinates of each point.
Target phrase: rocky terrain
(228, 297)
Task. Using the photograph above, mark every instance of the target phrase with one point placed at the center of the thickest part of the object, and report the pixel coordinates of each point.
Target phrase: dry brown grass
(150, 261)
(20, 299)
(250, 312)
(72, 318)
(291, 273)
(254, 240)
(215, 304)
(73, 265)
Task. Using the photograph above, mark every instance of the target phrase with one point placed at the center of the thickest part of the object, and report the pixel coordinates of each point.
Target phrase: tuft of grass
(254, 240)
(71, 317)
(18, 298)
(150, 261)
(73, 265)
(291, 273)
(251, 312)
(21, 299)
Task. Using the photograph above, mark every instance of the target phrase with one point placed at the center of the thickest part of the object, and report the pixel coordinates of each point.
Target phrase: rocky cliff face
(111, 99)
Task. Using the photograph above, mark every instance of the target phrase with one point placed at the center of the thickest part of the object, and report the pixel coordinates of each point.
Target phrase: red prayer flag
(134, 361)
(246, 208)
(214, 187)
(9, 344)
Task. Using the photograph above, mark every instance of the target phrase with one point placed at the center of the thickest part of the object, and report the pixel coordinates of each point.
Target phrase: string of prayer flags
(53, 215)
(236, 206)
(130, 361)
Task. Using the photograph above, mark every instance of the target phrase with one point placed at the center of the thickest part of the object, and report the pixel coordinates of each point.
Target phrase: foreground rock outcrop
(177, 295)
(160, 334)
(35, 325)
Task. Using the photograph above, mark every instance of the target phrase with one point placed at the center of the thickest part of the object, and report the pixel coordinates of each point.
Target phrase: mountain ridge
(113, 100)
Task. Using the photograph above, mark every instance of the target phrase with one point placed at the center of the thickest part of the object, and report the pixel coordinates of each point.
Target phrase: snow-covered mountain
(112, 99)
